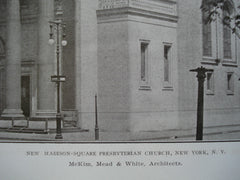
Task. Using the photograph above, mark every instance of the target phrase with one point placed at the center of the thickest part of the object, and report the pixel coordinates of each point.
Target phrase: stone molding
(117, 13)
(166, 8)
(12, 113)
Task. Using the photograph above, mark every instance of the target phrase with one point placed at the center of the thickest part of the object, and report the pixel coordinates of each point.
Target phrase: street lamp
(59, 28)
(201, 75)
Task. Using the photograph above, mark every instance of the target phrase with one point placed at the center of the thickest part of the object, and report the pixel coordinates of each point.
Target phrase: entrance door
(25, 95)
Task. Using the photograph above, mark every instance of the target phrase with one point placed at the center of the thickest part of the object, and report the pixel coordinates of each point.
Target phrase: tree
(225, 10)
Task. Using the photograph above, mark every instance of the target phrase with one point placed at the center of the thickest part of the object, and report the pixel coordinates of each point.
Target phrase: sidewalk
(217, 133)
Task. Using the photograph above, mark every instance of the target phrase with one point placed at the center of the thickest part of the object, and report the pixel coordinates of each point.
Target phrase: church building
(134, 55)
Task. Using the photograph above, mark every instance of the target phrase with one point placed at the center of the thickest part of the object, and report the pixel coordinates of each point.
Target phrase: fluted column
(46, 89)
(13, 63)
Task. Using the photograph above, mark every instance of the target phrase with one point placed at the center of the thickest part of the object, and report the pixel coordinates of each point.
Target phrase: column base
(9, 114)
(13, 118)
(46, 113)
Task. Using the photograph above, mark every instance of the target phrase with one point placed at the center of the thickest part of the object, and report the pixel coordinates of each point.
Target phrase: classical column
(77, 58)
(46, 89)
(13, 63)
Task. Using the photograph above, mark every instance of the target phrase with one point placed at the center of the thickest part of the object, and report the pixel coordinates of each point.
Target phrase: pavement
(220, 133)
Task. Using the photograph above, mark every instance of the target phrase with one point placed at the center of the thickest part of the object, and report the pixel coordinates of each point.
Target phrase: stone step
(40, 131)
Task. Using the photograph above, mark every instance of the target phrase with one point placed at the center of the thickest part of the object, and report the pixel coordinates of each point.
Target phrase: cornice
(107, 14)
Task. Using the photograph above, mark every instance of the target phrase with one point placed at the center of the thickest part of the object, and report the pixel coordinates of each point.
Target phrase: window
(144, 79)
(227, 52)
(219, 44)
(167, 60)
(230, 83)
(210, 83)
(207, 36)
(144, 52)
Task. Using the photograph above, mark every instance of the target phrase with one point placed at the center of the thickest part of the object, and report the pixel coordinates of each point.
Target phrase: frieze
(109, 4)
(168, 7)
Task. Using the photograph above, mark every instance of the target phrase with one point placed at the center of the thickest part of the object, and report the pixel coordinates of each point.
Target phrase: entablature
(160, 9)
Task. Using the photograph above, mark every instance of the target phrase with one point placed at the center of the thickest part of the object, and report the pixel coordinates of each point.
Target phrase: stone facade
(221, 106)
(134, 54)
(125, 99)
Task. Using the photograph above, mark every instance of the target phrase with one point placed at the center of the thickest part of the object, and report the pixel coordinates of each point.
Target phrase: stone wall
(125, 103)
(221, 108)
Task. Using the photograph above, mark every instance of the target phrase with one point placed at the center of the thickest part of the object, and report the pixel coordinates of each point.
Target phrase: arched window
(227, 41)
(207, 36)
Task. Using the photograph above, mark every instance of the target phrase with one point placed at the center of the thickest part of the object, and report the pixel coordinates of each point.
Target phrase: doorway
(25, 95)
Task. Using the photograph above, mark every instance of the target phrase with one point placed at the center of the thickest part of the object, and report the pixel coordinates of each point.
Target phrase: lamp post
(58, 27)
(96, 120)
(201, 75)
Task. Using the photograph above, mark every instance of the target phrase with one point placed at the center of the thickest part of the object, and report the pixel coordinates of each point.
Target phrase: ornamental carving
(160, 6)
(109, 4)
(58, 6)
